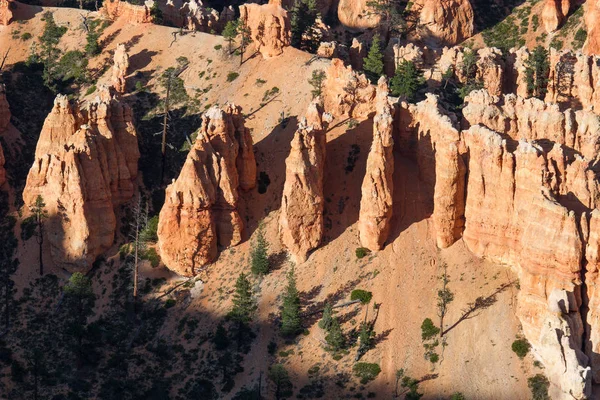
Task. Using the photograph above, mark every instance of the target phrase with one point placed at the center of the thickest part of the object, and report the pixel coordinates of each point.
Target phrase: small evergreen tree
(318, 77)
(79, 299)
(407, 81)
(537, 69)
(291, 323)
(327, 318)
(245, 37)
(364, 340)
(258, 256)
(220, 339)
(335, 339)
(373, 63)
(39, 211)
(304, 15)
(156, 13)
(230, 32)
(280, 377)
(244, 306)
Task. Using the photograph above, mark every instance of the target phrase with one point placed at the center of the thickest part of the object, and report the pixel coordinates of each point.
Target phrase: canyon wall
(200, 210)
(85, 165)
(443, 22)
(4, 122)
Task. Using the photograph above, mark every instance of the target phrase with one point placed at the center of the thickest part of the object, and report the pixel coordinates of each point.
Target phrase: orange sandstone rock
(378, 185)
(82, 170)
(555, 13)
(120, 67)
(346, 92)
(135, 14)
(355, 14)
(444, 22)
(269, 25)
(592, 17)
(200, 210)
(6, 14)
(301, 219)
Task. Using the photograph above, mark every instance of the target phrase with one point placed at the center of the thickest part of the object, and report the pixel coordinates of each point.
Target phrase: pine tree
(327, 318)
(79, 298)
(243, 308)
(290, 314)
(230, 32)
(318, 77)
(537, 69)
(244, 305)
(406, 81)
(364, 340)
(373, 63)
(280, 377)
(304, 15)
(335, 339)
(220, 339)
(39, 211)
(259, 256)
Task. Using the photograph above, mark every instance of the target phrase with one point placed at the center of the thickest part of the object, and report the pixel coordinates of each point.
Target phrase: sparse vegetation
(366, 371)
(362, 252)
(232, 76)
(539, 385)
(521, 347)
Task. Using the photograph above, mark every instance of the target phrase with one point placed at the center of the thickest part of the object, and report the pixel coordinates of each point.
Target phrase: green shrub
(170, 303)
(152, 256)
(579, 39)
(362, 252)
(26, 36)
(362, 295)
(521, 347)
(366, 371)
(539, 385)
(90, 90)
(428, 329)
(458, 396)
(232, 76)
(149, 233)
(218, 47)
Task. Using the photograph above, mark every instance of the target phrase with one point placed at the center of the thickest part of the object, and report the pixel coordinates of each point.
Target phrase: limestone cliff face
(444, 22)
(200, 210)
(120, 67)
(440, 165)
(347, 93)
(269, 26)
(85, 163)
(554, 14)
(6, 13)
(355, 14)
(301, 219)
(592, 280)
(378, 184)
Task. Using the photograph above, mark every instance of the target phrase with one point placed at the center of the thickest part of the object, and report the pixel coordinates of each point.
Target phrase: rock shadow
(345, 167)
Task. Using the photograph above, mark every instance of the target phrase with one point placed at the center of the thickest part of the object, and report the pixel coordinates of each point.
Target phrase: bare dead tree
(4, 59)
(140, 218)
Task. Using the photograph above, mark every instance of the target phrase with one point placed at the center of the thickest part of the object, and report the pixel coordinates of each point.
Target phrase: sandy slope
(403, 277)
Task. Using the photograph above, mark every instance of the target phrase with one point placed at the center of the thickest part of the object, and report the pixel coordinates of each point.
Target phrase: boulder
(301, 216)
(378, 184)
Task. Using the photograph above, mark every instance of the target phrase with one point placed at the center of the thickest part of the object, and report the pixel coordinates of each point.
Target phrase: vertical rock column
(301, 219)
(378, 185)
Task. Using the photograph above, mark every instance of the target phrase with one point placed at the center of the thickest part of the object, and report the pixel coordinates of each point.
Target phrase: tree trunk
(41, 242)
(164, 133)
